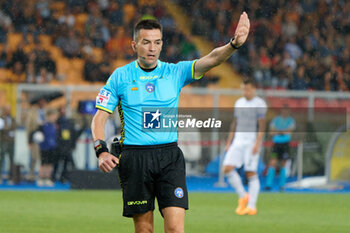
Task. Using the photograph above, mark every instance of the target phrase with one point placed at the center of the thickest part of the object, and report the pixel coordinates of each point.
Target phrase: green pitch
(100, 211)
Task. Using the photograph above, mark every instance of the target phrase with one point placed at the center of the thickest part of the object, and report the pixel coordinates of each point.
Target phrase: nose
(152, 47)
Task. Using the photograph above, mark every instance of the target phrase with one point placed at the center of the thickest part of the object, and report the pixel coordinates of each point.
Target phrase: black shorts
(280, 151)
(49, 156)
(149, 172)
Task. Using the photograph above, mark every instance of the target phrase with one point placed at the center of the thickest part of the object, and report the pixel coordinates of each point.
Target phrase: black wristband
(100, 147)
(233, 46)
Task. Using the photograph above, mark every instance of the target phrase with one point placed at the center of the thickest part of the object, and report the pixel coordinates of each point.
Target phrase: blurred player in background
(151, 165)
(7, 145)
(48, 148)
(35, 118)
(243, 147)
(281, 128)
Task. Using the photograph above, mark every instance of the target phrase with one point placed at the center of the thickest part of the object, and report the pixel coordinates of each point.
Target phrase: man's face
(52, 118)
(248, 91)
(6, 110)
(148, 46)
(42, 103)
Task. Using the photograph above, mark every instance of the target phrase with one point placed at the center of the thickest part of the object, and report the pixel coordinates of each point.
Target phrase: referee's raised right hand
(106, 162)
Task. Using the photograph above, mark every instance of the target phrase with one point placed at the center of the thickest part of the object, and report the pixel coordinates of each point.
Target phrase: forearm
(106, 161)
(232, 133)
(261, 131)
(230, 138)
(260, 137)
(214, 58)
(97, 127)
(220, 54)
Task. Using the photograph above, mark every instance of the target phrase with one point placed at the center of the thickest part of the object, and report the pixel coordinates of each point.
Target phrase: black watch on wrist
(100, 146)
(233, 46)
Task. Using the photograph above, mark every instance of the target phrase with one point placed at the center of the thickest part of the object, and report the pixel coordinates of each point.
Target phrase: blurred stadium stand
(288, 39)
(298, 45)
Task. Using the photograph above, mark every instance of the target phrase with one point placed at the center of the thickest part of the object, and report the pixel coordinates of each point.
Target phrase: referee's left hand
(242, 30)
(106, 162)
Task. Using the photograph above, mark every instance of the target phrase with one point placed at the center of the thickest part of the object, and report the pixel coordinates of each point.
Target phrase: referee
(281, 128)
(151, 165)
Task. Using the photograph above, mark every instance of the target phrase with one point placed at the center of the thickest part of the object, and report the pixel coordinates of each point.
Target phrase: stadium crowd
(77, 27)
(294, 44)
(299, 45)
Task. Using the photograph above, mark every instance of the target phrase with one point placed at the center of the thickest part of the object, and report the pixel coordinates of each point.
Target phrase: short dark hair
(249, 80)
(148, 24)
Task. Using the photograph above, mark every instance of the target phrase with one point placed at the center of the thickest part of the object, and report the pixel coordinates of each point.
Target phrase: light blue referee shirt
(280, 123)
(142, 97)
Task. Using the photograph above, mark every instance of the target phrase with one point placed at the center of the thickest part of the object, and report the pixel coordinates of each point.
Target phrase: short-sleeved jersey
(132, 89)
(247, 114)
(280, 123)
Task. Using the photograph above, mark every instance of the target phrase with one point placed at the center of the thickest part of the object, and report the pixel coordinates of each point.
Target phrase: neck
(147, 66)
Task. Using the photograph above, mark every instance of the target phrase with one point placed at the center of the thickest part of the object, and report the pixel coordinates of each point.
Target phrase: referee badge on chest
(149, 87)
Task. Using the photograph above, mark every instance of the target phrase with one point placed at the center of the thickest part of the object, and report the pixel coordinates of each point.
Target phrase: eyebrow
(158, 40)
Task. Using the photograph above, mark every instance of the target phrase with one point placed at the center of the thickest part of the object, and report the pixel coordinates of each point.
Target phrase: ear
(133, 46)
(161, 46)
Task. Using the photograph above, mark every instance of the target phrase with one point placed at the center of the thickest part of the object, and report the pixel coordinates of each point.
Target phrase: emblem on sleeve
(103, 98)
